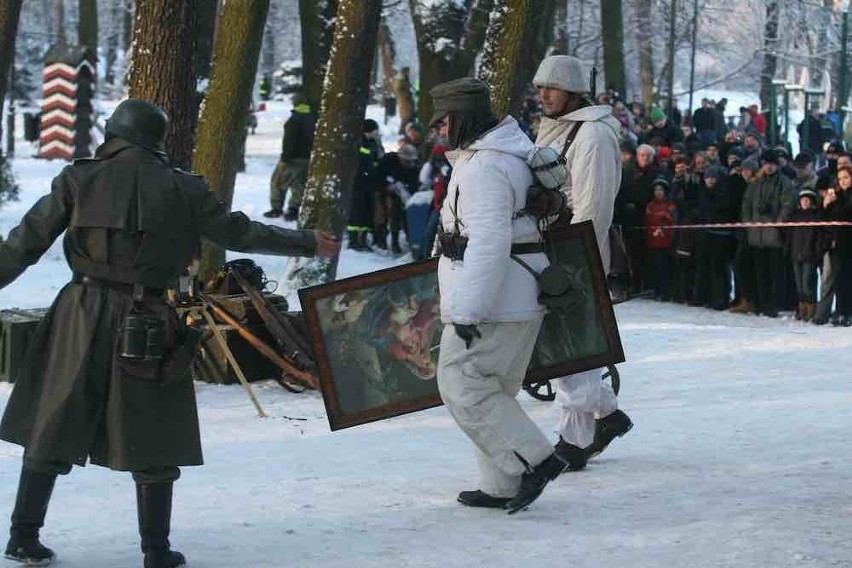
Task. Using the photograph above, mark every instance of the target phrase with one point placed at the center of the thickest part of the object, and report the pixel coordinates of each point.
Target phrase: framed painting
(376, 337)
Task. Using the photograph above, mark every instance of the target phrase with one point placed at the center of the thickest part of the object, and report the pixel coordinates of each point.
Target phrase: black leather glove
(467, 333)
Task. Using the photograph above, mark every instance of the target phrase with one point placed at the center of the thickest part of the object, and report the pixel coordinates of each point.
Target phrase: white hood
(506, 137)
(551, 128)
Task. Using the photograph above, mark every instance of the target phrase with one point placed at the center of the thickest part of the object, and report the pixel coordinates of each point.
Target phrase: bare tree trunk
(205, 27)
(317, 18)
(502, 47)
(267, 50)
(449, 37)
(10, 15)
(87, 25)
(820, 65)
(163, 73)
(127, 23)
(612, 31)
(334, 161)
(538, 36)
(644, 33)
(387, 52)
(59, 21)
(560, 43)
(112, 44)
(222, 124)
(770, 57)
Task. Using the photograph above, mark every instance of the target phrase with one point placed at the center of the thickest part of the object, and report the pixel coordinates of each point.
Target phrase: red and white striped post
(67, 110)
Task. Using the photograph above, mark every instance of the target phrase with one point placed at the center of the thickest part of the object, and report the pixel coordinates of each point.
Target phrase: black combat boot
(34, 491)
(154, 506)
(358, 240)
(272, 213)
(380, 238)
(395, 243)
(575, 458)
(291, 214)
(534, 481)
(608, 429)
(482, 499)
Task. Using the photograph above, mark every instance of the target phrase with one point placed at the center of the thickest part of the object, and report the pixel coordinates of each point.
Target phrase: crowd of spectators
(701, 167)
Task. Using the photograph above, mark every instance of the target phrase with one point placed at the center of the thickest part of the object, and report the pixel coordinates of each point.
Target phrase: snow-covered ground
(739, 456)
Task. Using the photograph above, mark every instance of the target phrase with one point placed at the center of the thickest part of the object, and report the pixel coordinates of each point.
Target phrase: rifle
(286, 366)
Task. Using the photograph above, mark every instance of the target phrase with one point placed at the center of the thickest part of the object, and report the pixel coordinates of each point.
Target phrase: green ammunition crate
(16, 329)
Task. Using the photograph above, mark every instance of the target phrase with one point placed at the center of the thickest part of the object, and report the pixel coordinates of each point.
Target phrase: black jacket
(299, 134)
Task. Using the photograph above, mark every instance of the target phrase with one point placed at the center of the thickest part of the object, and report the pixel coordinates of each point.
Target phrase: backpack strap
(572, 134)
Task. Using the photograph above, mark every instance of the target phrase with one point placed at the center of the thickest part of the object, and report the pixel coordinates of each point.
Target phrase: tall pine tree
(334, 161)
(222, 124)
(162, 71)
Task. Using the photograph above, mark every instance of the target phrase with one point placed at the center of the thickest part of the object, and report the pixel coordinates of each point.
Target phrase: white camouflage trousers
(479, 386)
(581, 398)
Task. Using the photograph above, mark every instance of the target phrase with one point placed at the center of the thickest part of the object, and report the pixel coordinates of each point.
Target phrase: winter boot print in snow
(34, 491)
(154, 506)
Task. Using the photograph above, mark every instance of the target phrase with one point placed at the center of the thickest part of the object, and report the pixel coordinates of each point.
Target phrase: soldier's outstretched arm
(36, 232)
(235, 231)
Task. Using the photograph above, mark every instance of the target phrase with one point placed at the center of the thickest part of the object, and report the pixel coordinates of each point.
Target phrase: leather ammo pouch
(177, 364)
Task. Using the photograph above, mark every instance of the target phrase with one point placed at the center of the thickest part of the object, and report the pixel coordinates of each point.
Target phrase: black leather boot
(154, 506)
(479, 498)
(34, 491)
(575, 458)
(534, 481)
(380, 238)
(608, 429)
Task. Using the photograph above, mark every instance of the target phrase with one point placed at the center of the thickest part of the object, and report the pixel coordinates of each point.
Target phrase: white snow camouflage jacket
(491, 179)
(593, 164)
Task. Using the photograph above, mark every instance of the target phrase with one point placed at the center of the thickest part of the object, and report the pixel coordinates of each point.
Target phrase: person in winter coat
(763, 201)
(713, 247)
(806, 245)
(660, 215)
(132, 223)
(837, 283)
(685, 187)
(636, 190)
(587, 136)
(364, 187)
(489, 302)
(744, 276)
(397, 174)
(663, 128)
(291, 172)
(704, 123)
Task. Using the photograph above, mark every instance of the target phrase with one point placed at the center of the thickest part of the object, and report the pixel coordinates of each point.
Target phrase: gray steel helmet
(139, 122)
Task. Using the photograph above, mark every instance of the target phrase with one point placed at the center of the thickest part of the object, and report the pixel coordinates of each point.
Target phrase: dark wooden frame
(338, 419)
(308, 297)
(615, 352)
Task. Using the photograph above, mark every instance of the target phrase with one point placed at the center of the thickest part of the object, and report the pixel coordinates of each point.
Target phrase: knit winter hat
(460, 95)
(808, 193)
(562, 72)
(662, 182)
(714, 172)
(751, 165)
(657, 114)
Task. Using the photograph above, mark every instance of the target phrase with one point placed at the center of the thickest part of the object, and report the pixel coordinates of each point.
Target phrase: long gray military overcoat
(130, 218)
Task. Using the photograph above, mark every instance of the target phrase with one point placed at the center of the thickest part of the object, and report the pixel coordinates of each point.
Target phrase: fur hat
(751, 165)
(562, 72)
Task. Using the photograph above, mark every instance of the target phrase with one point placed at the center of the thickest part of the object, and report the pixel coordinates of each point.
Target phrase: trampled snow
(739, 456)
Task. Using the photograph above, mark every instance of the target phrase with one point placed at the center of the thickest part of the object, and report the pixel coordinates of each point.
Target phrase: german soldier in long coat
(132, 224)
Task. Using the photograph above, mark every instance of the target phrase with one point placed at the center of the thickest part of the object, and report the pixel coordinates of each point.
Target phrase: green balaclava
(467, 102)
